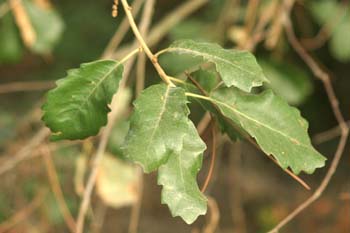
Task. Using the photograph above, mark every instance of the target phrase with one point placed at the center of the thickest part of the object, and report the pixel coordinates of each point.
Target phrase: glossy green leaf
(278, 128)
(47, 24)
(78, 106)
(10, 44)
(178, 177)
(287, 80)
(237, 68)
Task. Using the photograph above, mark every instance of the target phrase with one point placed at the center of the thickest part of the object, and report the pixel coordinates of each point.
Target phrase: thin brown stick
(26, 150)
(56, 188)
(325, 32)
(203, 123)
(143, 44)
(136, 208)
(121, 32)
(167, 23)
(24, 24)
(235, 188)
(140, 83)
(324, 77)
(212, 160)
(246, 136)
(328, 134)
(213, 222)
(26, 86)
(286, 170)
(24, 213)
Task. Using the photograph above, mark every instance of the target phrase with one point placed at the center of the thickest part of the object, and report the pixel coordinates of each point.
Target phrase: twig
(143, 44)
(324, 77)
(56, 188)
(212, 160)
(325, 32)
(24, 24)
(203, 123)
(140, 82)
(162, 28)
(136, 208)
(245, 135)
(99, 217)
(84, 206)
(236, 180)
(328, 134)
(26, 86)
(24, 213)
(26, 150)
(213, 222)
(121, 32)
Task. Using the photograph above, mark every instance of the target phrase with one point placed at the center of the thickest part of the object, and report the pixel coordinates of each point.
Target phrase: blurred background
(41, 182)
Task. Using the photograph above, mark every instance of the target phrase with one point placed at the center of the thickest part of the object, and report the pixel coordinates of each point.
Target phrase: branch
(213, 222)
(24, 213)
(162, 28)
(26, 86)
(143, 44)
(324, 77)
(212, 160)
(26, 150)
(56, 188)
(121, 32)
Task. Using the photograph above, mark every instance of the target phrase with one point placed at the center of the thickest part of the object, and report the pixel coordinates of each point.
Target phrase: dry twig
(24, 213)
(324, 77)
(56, 188)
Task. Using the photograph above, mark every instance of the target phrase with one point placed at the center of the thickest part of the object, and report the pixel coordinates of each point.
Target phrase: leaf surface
(78, 106)
(157, 126)
(278, 128)
(237, 68)
(162, 137)
(178, 177)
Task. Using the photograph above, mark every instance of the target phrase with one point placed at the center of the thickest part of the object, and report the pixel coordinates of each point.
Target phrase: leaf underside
(161, 136)
(77, 108)
(237, 68)
(278, 128)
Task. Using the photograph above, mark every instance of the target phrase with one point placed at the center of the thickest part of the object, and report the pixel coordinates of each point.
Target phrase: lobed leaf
(278, 128)
(161, 136)
(78, 106)
(157, 126)
(237, 68)
(178, 177)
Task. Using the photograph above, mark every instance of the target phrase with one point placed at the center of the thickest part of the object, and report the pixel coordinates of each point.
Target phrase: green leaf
(161, 136)
(47, 25)
(325, 11)
(78, 106)
(178, 177)
(288, 81)
(157, 126)
(237, 68)
(278, 128)
(340, 41)
(10, 44)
